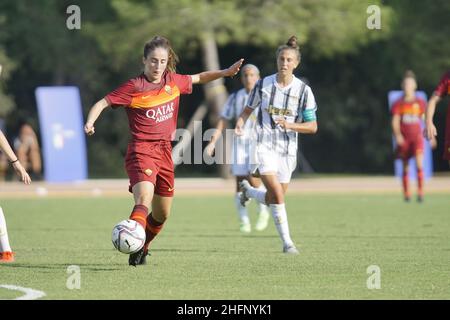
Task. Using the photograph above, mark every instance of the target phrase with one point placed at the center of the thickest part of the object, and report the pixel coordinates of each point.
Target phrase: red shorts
(151, 161)
(410, 148)
(446, 154)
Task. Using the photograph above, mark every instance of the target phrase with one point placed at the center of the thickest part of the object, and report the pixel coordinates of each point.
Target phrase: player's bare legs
(244, 220)
(161, 207)
(405, 180)
(275, 189)
(419, 165)
(263, 210)
(274, 197)
(143, 195)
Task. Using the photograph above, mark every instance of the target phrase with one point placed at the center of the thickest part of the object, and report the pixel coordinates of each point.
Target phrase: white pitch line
(30, 294)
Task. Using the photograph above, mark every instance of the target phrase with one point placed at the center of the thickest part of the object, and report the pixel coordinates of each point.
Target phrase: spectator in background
(27, 149)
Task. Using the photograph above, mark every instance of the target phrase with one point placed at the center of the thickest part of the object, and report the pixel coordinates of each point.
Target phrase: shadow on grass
(237, 235)
(63, 266)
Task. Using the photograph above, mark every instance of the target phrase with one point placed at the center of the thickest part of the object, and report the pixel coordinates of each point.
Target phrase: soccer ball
(128, 236)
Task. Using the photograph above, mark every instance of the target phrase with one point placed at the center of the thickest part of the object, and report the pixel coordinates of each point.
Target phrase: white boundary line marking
(30, 294)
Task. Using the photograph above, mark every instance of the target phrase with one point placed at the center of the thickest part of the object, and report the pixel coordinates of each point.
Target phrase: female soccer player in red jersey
(407, 115)
(442, 90)
(151, 102)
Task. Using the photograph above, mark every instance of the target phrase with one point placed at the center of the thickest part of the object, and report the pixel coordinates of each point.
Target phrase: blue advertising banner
(62, 134)
(393, 96)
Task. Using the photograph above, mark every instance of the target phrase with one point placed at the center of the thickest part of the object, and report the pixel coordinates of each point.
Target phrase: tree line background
(349, 67)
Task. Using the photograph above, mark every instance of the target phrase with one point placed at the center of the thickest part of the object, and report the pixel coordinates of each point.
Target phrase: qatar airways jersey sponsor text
(161, 113)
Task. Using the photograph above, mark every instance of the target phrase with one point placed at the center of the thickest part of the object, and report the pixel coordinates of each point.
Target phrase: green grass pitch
(201, 254)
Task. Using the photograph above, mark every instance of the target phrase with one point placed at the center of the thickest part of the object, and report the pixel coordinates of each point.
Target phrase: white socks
(242, 211)
(280, 217)
(4, 242)
(259, 194)
(262, 207)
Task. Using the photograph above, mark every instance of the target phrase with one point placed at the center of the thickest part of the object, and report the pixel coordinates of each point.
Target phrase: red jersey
(152, 108)
(443, 88)
(411, 114)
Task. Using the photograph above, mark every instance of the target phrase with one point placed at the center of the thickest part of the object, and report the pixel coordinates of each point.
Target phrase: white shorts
(240, 165)
(273, 162)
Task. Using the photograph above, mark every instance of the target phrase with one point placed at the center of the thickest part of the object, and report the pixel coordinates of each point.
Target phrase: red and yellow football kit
(442, 90)
(152, 111)
(411, 114)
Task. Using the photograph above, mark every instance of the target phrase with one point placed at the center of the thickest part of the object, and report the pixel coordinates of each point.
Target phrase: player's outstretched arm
(430, 130)
(217, 133)
(13, 160)
(93, 115)
(240, 122)
(208, 76)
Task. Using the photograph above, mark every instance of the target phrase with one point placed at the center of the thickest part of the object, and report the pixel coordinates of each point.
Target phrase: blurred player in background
(241, 147)
(287, 108)
(151, 102)
(407, 117)
(442, 90)
(6, 254)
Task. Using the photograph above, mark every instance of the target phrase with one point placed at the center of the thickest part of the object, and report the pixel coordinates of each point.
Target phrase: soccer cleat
(6, 257)
(291, 249)
(407, 199)
(263, 220)
(245, 227)
(244, 185)
(420, 198)
(138, 258)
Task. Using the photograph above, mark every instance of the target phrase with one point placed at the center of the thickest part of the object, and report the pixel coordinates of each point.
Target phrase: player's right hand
(210, 149)
(89, 129)
(400, 140)
(430, 131)
(21, 172)
(238, 129)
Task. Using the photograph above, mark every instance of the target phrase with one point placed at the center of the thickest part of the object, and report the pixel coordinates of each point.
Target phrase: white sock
(242, 211)
(258, 194)
(4, 242)
(280, 217)
(262, 207)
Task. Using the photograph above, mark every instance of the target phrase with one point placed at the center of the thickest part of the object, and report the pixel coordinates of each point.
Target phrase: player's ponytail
(161, 42)
(291, 44)
(409, 74)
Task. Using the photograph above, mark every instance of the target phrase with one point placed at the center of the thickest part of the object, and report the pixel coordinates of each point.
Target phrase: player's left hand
(283, 123)
(234, 69)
